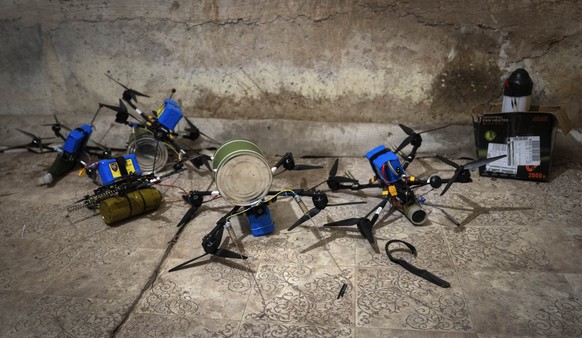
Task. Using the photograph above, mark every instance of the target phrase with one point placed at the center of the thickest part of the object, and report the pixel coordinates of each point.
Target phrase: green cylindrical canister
(135, 203)
(243, 175)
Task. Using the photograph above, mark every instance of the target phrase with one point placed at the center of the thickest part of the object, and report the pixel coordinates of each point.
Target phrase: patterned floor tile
(514, 236)
(489, 209)
(575, 281)
(389, 333)
(497, 248)
(264, 330)
(393, 298)
(76, 317)
(33, 221)
(432, 248)
(15, 304)
(209, 288)
(150, 325)
(522, 304)
(557, 240)
(302, 295)
(31, 265)
(104, 272)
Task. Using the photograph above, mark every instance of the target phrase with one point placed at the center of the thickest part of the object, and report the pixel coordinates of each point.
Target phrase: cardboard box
(527, 138)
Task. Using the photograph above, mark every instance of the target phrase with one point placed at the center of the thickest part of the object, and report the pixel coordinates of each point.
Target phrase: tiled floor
(513, 264)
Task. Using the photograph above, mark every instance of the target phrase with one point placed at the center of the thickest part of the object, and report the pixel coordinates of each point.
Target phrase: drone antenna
(119, 83)
(173, 91)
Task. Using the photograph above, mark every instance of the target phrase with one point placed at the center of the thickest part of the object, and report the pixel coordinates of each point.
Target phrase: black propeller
(288, 163)
(201, 160)
(192, 130)
(36, 141)
(195, 199)
(320, 202)
(122, 114)
(211, 243)
(413, 138)
(129, 94)
(334, 181)
(364, 224)
(462, 173)
(57, 126)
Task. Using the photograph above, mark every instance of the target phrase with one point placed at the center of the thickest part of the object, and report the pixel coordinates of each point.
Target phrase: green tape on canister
(132, 204)
(243, 175)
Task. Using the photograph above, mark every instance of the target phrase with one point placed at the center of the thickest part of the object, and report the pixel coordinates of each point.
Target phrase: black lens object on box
(518, 84)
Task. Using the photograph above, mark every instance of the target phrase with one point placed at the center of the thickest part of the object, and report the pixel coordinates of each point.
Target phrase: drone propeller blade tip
(334, 167)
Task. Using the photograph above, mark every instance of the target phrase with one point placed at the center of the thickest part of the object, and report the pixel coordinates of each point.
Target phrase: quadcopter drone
(75, 146)
(258, 213)
(36, 144)
(148, 130)
(396, 185)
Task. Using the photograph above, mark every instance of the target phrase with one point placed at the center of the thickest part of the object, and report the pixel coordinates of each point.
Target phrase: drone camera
(415, 214)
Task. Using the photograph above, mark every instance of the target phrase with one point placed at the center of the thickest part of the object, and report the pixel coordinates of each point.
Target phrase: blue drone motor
(386, 164)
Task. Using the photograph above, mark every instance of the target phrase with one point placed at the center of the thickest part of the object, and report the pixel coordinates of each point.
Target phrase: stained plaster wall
(415, 62)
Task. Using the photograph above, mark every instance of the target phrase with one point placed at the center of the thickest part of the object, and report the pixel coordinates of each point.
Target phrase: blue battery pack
(170, 114)
(386, 164)
(109, 170)
(77, 139)
(261, 223)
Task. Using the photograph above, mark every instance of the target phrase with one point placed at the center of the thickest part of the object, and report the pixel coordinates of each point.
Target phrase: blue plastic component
(170, 115)
(109, 169)
(77, 139)
(387, 165)
(261, 224)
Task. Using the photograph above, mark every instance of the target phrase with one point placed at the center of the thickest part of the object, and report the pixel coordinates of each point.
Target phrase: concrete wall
(417, 62)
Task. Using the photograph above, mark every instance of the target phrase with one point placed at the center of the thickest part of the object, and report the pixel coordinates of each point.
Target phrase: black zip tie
(419, 272)
(342, 291)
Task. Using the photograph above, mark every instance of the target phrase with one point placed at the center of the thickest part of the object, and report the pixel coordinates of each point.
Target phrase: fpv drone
(258, 214)
(70, 155)
(159, 126)
(396, 185)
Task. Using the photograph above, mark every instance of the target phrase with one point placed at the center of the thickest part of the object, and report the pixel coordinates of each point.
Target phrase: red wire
(173, 186)
(382, 171)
